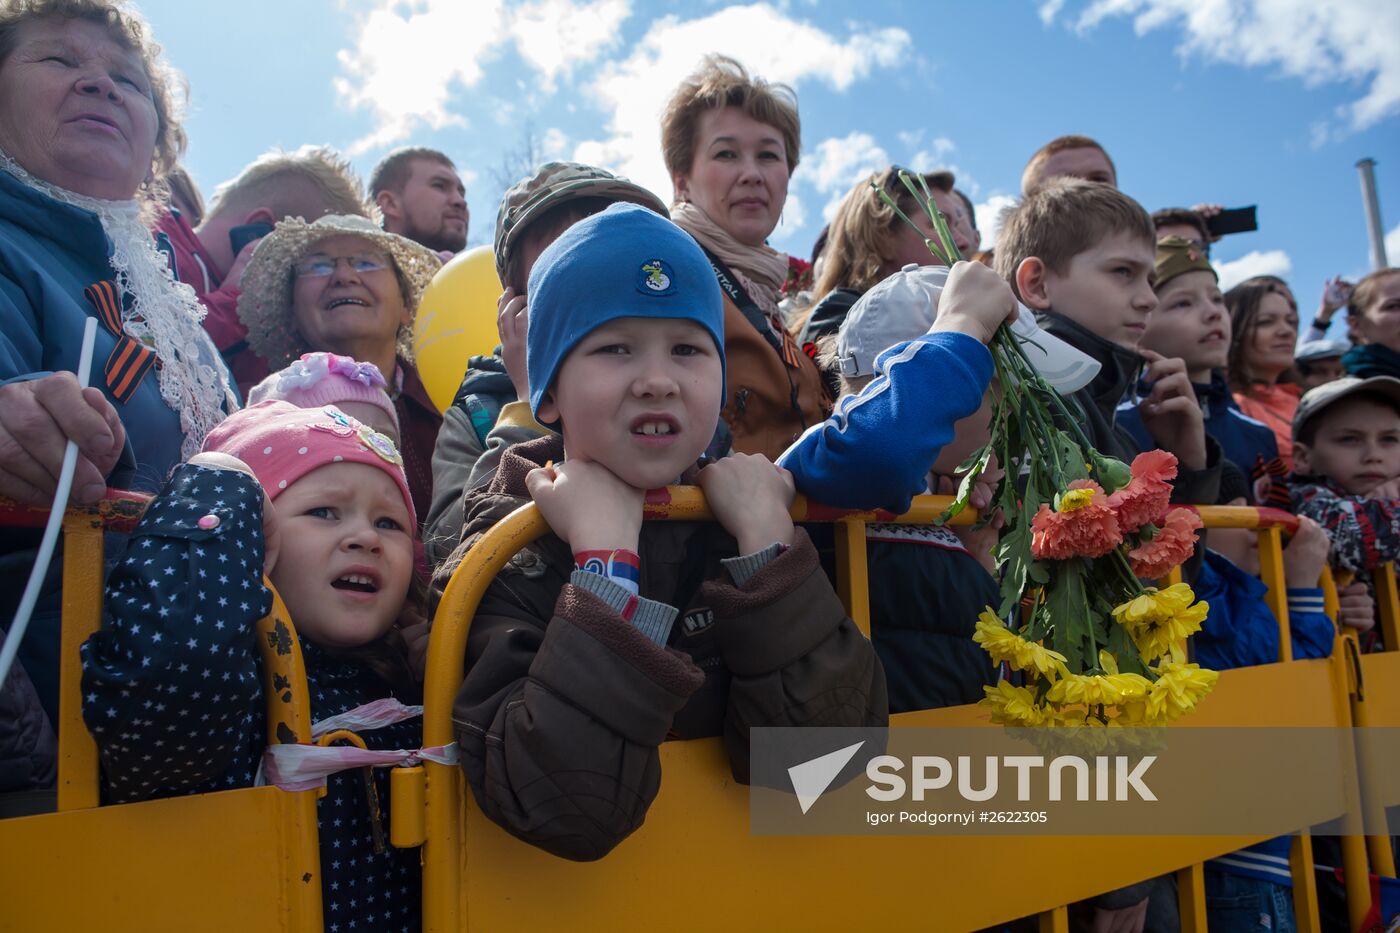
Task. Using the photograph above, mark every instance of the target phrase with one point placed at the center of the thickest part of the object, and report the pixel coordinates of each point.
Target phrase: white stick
(46, 546)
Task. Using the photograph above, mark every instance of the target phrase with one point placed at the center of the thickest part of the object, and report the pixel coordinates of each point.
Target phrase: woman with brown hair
(731, 142)
(1264, 329)
(868, 241)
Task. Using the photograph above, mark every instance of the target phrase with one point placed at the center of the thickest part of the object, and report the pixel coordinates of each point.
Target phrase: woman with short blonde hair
(730, 142)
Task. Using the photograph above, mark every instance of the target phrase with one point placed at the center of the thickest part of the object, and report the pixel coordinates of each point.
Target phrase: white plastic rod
(46, 546)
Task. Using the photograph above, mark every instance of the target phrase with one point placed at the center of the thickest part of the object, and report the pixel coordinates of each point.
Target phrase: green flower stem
(938, 254)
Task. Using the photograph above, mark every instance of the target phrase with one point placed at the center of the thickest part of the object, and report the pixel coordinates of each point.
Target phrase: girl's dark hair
(1244, 301)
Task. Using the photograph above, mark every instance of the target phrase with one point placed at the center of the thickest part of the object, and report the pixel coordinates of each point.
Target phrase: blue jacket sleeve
(1313, 631)
(876, 449)
(171, 682)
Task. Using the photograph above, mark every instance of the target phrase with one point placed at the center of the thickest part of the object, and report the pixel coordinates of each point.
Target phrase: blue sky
(1267, 102)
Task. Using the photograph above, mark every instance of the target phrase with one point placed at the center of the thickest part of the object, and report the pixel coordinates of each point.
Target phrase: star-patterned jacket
(172, 688)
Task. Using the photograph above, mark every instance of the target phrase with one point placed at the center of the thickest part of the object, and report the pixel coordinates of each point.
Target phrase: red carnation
(1084, 527)
(1154, 559)
(1145, 497)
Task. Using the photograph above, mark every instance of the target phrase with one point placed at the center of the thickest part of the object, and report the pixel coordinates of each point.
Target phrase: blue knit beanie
(624, 262)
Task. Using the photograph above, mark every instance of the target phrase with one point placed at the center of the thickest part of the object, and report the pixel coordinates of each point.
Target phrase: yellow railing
(247, 859)
(243, 859)
(477, 877)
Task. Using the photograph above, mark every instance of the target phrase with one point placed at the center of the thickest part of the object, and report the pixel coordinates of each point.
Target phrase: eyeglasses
(319, 267)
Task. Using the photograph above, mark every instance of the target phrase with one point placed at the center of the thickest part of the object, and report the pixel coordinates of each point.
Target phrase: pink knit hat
(282, 443)
(320, 378)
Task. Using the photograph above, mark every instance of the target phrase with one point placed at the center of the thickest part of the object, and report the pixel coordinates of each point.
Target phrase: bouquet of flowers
(1095, 645)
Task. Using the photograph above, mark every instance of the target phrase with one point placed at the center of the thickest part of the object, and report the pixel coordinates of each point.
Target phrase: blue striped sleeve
(876, 449)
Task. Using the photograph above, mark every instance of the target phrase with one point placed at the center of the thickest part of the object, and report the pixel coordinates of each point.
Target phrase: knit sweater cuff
(742, 568)
(650, 617)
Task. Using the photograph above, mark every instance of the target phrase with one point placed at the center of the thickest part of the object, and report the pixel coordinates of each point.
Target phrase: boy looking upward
(577, 665)
(1191, 323)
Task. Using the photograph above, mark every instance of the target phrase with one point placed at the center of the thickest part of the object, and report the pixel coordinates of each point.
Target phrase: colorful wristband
(622, 567)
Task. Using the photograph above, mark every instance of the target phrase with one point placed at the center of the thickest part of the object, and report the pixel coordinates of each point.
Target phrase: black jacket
(1099, 403)
(925, 594)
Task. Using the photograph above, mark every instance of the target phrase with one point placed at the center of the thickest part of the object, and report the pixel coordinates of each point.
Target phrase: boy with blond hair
(608, 636)
(1082, 256)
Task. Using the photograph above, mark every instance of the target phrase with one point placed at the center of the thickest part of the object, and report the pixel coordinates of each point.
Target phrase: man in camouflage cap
(486, 416)
(538, 208)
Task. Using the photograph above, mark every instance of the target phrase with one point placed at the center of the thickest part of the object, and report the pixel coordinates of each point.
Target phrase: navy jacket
(1244, 441)
(1241, 631)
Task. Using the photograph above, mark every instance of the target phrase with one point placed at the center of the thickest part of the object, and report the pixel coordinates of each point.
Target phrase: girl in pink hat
(173, 683)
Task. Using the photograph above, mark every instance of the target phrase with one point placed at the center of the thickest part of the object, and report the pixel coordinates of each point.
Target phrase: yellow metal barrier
(477, 877)
(235, 860)
(247, 859)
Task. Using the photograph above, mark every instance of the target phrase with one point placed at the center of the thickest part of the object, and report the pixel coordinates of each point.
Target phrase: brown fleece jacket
(564, 702)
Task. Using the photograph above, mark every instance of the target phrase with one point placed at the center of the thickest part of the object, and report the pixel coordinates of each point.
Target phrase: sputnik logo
(811, 778)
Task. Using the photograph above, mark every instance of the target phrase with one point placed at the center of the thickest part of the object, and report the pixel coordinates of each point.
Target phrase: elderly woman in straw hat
(343, 285)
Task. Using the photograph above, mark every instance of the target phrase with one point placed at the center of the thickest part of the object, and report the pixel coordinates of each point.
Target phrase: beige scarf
(761, 270)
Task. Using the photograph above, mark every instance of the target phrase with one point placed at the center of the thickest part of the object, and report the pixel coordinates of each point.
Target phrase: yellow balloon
(456, 320)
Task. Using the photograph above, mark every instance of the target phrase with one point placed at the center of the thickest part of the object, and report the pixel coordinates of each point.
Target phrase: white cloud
(989, 217)
(934, 157)
(555, 35)
(1340, 40)
(840, 161)
(1271, 262)
(555, 143)
(409, 58)
(1392, 246)
(634, 91)
(837, 163)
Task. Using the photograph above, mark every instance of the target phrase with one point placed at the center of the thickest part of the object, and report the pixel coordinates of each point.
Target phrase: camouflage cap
(553, 184)
(1178, 256)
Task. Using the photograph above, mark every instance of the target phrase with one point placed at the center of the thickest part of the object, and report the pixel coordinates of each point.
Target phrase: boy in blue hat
(609, 636)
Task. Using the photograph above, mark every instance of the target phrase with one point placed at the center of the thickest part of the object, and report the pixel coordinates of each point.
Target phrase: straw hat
(265, 305)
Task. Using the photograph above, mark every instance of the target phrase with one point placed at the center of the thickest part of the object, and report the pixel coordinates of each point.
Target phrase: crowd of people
(254, 374)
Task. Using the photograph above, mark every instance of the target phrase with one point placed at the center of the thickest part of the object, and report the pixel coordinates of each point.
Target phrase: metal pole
(1367, 168)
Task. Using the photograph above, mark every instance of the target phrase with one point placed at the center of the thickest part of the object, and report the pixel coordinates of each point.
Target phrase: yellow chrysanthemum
(1076, 499)
(1099, 689)
(1157, 620)
(1005, 645)
(1014, 706)
(1156, 605)
(1178, 689)
(1137, 713)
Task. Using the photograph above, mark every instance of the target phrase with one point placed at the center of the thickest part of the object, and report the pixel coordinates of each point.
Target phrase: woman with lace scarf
(731, 142)
(87, 133)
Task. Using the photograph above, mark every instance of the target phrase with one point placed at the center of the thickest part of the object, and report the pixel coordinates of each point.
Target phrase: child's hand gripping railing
(183, 862)
(1375, 705)
(1345, 681)
(478, 877)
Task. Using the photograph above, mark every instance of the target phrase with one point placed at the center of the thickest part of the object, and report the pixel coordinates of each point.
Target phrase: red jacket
(192, 264)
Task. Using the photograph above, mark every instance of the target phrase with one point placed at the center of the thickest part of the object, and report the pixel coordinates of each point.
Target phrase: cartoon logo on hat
(655, 278)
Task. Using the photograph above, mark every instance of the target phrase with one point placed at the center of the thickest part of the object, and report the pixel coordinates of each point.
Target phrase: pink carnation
(1154, 559)
(1145, 498)
(1088, 530)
